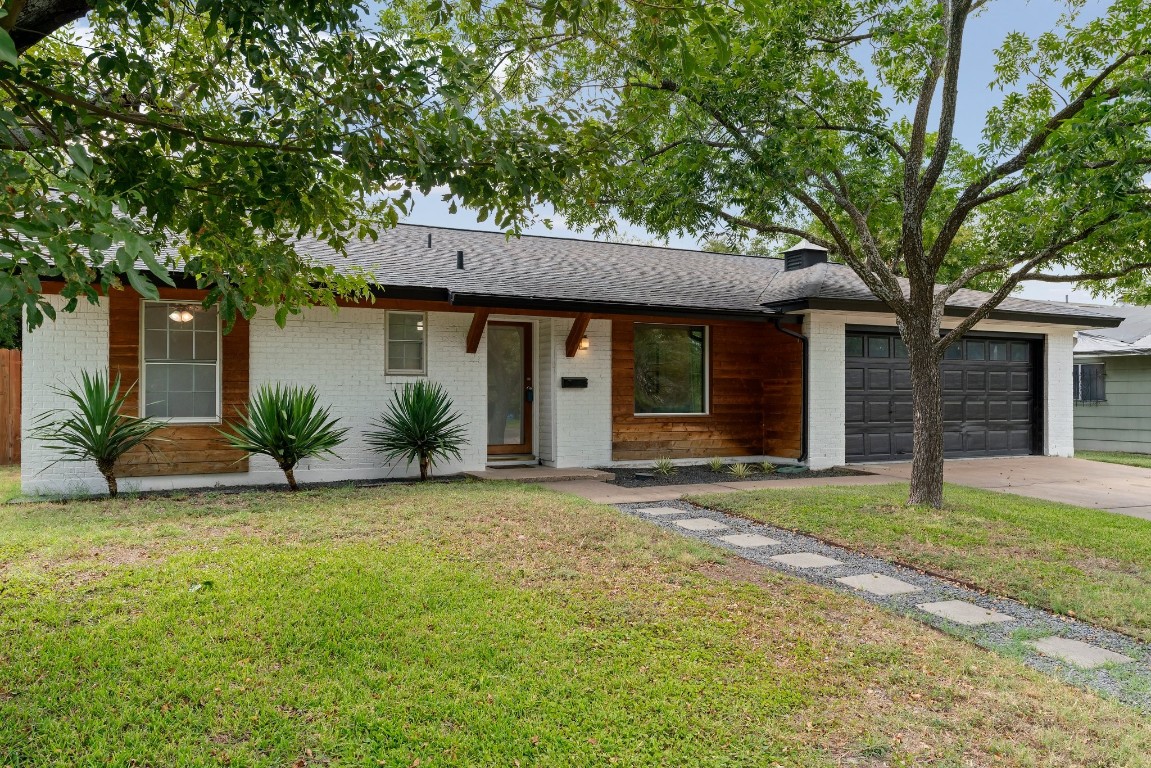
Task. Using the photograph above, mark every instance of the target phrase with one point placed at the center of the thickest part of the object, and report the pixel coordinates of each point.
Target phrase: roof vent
(803, 255)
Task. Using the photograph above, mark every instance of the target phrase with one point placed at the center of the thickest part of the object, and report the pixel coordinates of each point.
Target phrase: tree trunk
(113, 489)
(927, 419)
(290, 473)
(425, 467)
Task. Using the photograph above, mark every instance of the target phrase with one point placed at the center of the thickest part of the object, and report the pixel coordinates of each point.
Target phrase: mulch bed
(702, 473)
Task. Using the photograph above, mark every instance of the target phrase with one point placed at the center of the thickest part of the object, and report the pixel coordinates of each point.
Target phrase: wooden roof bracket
(476, 331)
(579, 328)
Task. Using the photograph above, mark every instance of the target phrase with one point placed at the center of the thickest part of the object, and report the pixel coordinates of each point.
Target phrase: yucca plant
(286, 424)
(740, 471)
(767, 467)
(418, 425)
(95, 430)
(715, 464)
(663, 467)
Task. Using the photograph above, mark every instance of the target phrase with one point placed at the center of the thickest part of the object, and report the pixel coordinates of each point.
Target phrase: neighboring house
(569, 353)
(1112, 384)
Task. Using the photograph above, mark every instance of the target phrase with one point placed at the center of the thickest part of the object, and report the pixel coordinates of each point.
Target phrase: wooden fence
(9, 406)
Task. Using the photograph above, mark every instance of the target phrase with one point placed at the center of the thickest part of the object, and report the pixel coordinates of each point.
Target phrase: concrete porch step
(538, 474)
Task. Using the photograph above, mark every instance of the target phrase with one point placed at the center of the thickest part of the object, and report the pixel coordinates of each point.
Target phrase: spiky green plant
(286, 424)
(767, 467)
(715, 464)
(740, 471)
(663, 467)
(419, 425)
(96, 429)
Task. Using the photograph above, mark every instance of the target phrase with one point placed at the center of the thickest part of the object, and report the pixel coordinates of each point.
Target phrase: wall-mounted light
(181, 314)
(584, 343)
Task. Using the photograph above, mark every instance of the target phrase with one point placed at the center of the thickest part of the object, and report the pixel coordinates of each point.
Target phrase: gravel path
(1112, 664)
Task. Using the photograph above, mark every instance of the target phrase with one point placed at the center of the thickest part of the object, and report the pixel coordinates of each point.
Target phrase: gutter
(874, 305)
(803, 406)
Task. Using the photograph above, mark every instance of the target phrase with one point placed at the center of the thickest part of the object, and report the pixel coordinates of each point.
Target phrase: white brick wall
(582, 417)
(1058, 406)
(54, 354)
(826, 393)
(545, 386)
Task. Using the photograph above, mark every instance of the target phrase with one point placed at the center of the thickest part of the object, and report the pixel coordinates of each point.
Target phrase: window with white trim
(406, 342)
(180, 356)
(1090, 383)
(670, 369)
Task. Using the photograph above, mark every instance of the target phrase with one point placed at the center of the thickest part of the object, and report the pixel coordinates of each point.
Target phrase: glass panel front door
(509, 407)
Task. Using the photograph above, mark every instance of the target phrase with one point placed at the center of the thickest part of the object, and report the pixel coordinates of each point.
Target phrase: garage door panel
(988, 398)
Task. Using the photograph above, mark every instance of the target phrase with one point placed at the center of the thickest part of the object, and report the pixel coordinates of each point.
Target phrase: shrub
(715, 464)
(286, 424)
(740, 471)
(96, 430)
(663, 467)
(419, 425)
(767, 467)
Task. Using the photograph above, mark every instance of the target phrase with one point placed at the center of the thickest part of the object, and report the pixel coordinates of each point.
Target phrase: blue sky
(985, 33)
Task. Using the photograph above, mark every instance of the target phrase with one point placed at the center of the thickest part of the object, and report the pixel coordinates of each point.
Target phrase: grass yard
(1087, 563)
(9, 482)
(1117, 457)
(478, 625)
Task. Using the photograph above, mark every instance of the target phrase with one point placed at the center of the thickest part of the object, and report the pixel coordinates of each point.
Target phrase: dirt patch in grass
(702, 473)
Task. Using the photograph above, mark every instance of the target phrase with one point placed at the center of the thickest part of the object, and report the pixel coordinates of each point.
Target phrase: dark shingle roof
(564, 270)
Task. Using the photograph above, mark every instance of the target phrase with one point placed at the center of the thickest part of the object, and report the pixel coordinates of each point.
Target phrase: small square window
(406, 342)
(854, 346)
(953, 352)
(899, 349)
(878, 346)
(997, 350)
(976, 350)
(1020, 351)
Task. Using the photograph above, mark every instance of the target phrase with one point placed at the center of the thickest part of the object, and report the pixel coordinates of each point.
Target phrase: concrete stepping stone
(805, 560)
(1078, 653)
(965, 613)
(701, 524)
(749, 540)
(878, 584)
(659, 511)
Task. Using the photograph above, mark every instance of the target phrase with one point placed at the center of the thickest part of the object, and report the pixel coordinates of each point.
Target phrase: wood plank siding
(186, 449)
(756, 397)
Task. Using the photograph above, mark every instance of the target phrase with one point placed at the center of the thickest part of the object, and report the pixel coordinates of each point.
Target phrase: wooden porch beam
(579, 328)
(476, 332)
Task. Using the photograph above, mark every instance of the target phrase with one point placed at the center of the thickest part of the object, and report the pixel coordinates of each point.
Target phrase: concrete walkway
(1094, 484)
(1078, 653)
(605, 493)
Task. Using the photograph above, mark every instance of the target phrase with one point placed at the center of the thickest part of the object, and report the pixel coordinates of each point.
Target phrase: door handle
(529, 394)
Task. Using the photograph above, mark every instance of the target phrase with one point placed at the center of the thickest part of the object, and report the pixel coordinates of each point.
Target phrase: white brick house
(567, 353)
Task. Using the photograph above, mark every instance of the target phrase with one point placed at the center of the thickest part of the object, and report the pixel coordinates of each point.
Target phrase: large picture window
(670, 369)
(181, 361)
(406, 351)
(1090, 383)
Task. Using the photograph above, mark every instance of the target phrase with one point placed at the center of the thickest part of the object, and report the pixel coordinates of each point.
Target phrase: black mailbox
(573, 382)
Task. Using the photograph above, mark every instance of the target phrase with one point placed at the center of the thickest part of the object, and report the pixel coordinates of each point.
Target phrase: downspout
(803, 408)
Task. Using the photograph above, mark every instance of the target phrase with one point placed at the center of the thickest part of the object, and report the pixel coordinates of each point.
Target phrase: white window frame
(388, 369)
(706, 374)
(143, 387)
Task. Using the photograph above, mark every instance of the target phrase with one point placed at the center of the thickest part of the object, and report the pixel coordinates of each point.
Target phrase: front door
(509, 388)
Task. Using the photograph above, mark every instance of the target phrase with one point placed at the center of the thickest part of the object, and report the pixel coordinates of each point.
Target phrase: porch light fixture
(584, 343)
(181, 314)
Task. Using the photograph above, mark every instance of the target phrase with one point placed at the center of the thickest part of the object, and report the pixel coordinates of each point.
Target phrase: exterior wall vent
(803, 255)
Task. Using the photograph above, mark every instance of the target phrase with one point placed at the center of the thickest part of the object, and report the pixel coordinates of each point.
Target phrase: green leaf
(142, 286)
(80, 156)
(8, 49)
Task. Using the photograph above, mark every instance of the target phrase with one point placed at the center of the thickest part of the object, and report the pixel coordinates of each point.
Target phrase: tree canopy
(834, 120)
(208, 136)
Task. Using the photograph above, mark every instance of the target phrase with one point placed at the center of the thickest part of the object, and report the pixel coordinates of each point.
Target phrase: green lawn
(1117, 457)
(478, 625)
(1082, 562)
(9, 482)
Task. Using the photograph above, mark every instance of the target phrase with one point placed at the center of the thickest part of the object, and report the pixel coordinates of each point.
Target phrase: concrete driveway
(1095, 484)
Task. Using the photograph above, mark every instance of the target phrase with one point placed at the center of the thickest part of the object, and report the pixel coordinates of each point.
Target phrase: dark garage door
(989, 397)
